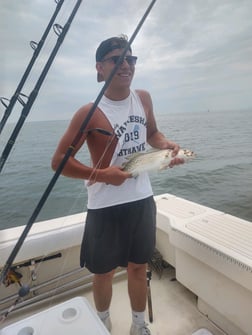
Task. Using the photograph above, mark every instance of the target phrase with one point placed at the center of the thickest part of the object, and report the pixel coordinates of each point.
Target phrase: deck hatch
(227, 231)
(180, 208)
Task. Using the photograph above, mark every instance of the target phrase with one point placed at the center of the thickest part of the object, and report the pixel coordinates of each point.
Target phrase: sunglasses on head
(131, 60)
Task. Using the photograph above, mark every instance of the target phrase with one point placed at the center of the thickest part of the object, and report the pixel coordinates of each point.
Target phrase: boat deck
(174, 308)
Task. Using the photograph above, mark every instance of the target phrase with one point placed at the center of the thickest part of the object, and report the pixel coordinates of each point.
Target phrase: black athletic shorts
(119, 234)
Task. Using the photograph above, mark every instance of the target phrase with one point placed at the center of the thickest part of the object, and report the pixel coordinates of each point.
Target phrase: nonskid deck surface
(174, 308)
(227, 231)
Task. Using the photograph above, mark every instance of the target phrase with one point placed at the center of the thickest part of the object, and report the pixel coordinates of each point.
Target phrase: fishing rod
(68, 153)
(61, 33)
(17, 96)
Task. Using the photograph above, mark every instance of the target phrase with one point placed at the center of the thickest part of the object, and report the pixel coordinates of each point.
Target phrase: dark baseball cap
(107, 46)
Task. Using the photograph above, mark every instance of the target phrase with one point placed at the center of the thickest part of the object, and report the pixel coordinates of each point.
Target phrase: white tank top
(128, 119)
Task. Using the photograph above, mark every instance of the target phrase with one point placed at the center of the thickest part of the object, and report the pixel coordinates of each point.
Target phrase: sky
(193, 55)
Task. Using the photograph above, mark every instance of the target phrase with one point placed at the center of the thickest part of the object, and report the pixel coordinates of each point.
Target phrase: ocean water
(220, 176)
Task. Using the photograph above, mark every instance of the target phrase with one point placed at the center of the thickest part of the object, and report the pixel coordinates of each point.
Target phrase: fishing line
(69, 152)
(93, 175)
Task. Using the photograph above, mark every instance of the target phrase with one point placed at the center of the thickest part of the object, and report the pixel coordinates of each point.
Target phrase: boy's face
(125, 71)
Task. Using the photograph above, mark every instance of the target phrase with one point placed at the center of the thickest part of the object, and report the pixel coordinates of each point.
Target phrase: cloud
(192, 55)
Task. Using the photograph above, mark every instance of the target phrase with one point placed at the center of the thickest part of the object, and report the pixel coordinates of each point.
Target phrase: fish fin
(131, 157)
(164, 167)
(136, 154)
(140, 153)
